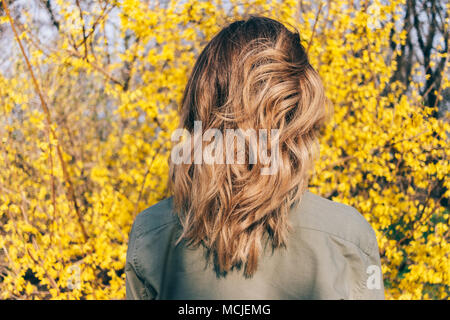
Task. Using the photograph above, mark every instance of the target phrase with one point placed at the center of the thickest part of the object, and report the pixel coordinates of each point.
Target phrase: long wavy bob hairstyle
(254, 74)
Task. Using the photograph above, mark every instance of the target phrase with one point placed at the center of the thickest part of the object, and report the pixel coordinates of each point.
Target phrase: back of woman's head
(254, 75)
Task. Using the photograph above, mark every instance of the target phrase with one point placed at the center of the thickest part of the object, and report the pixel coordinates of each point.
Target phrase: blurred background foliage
(84, 148)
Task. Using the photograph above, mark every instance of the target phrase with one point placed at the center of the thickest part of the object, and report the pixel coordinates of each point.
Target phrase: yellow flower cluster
(112, 76)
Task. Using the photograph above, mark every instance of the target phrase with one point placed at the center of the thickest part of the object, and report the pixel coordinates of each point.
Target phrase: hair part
(254, 74)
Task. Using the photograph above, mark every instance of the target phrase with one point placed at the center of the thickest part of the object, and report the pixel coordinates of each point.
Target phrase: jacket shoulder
(336, 219)
(154, 217)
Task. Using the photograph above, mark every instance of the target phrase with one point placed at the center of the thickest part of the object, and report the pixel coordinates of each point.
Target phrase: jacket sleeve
(371, 286)
(136, 286)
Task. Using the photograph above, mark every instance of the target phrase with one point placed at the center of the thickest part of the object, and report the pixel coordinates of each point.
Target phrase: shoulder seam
(141, 233)
(365, 251)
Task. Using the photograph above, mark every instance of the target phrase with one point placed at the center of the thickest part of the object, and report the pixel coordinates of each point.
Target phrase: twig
(102, 15)
(314, 27)
(145, 178)
(83, 29)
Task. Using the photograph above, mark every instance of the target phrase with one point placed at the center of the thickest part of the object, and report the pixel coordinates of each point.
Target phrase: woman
(242, 224)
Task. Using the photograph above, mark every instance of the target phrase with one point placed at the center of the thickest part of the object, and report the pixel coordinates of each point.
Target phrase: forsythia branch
(71, 191)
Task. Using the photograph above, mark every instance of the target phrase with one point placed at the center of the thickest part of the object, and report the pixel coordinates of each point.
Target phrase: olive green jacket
(332, 253)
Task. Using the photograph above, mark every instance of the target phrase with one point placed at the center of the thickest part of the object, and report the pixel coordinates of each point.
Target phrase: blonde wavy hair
(253, 74)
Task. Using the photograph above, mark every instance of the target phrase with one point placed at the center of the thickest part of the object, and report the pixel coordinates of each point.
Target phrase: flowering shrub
(78, 163)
